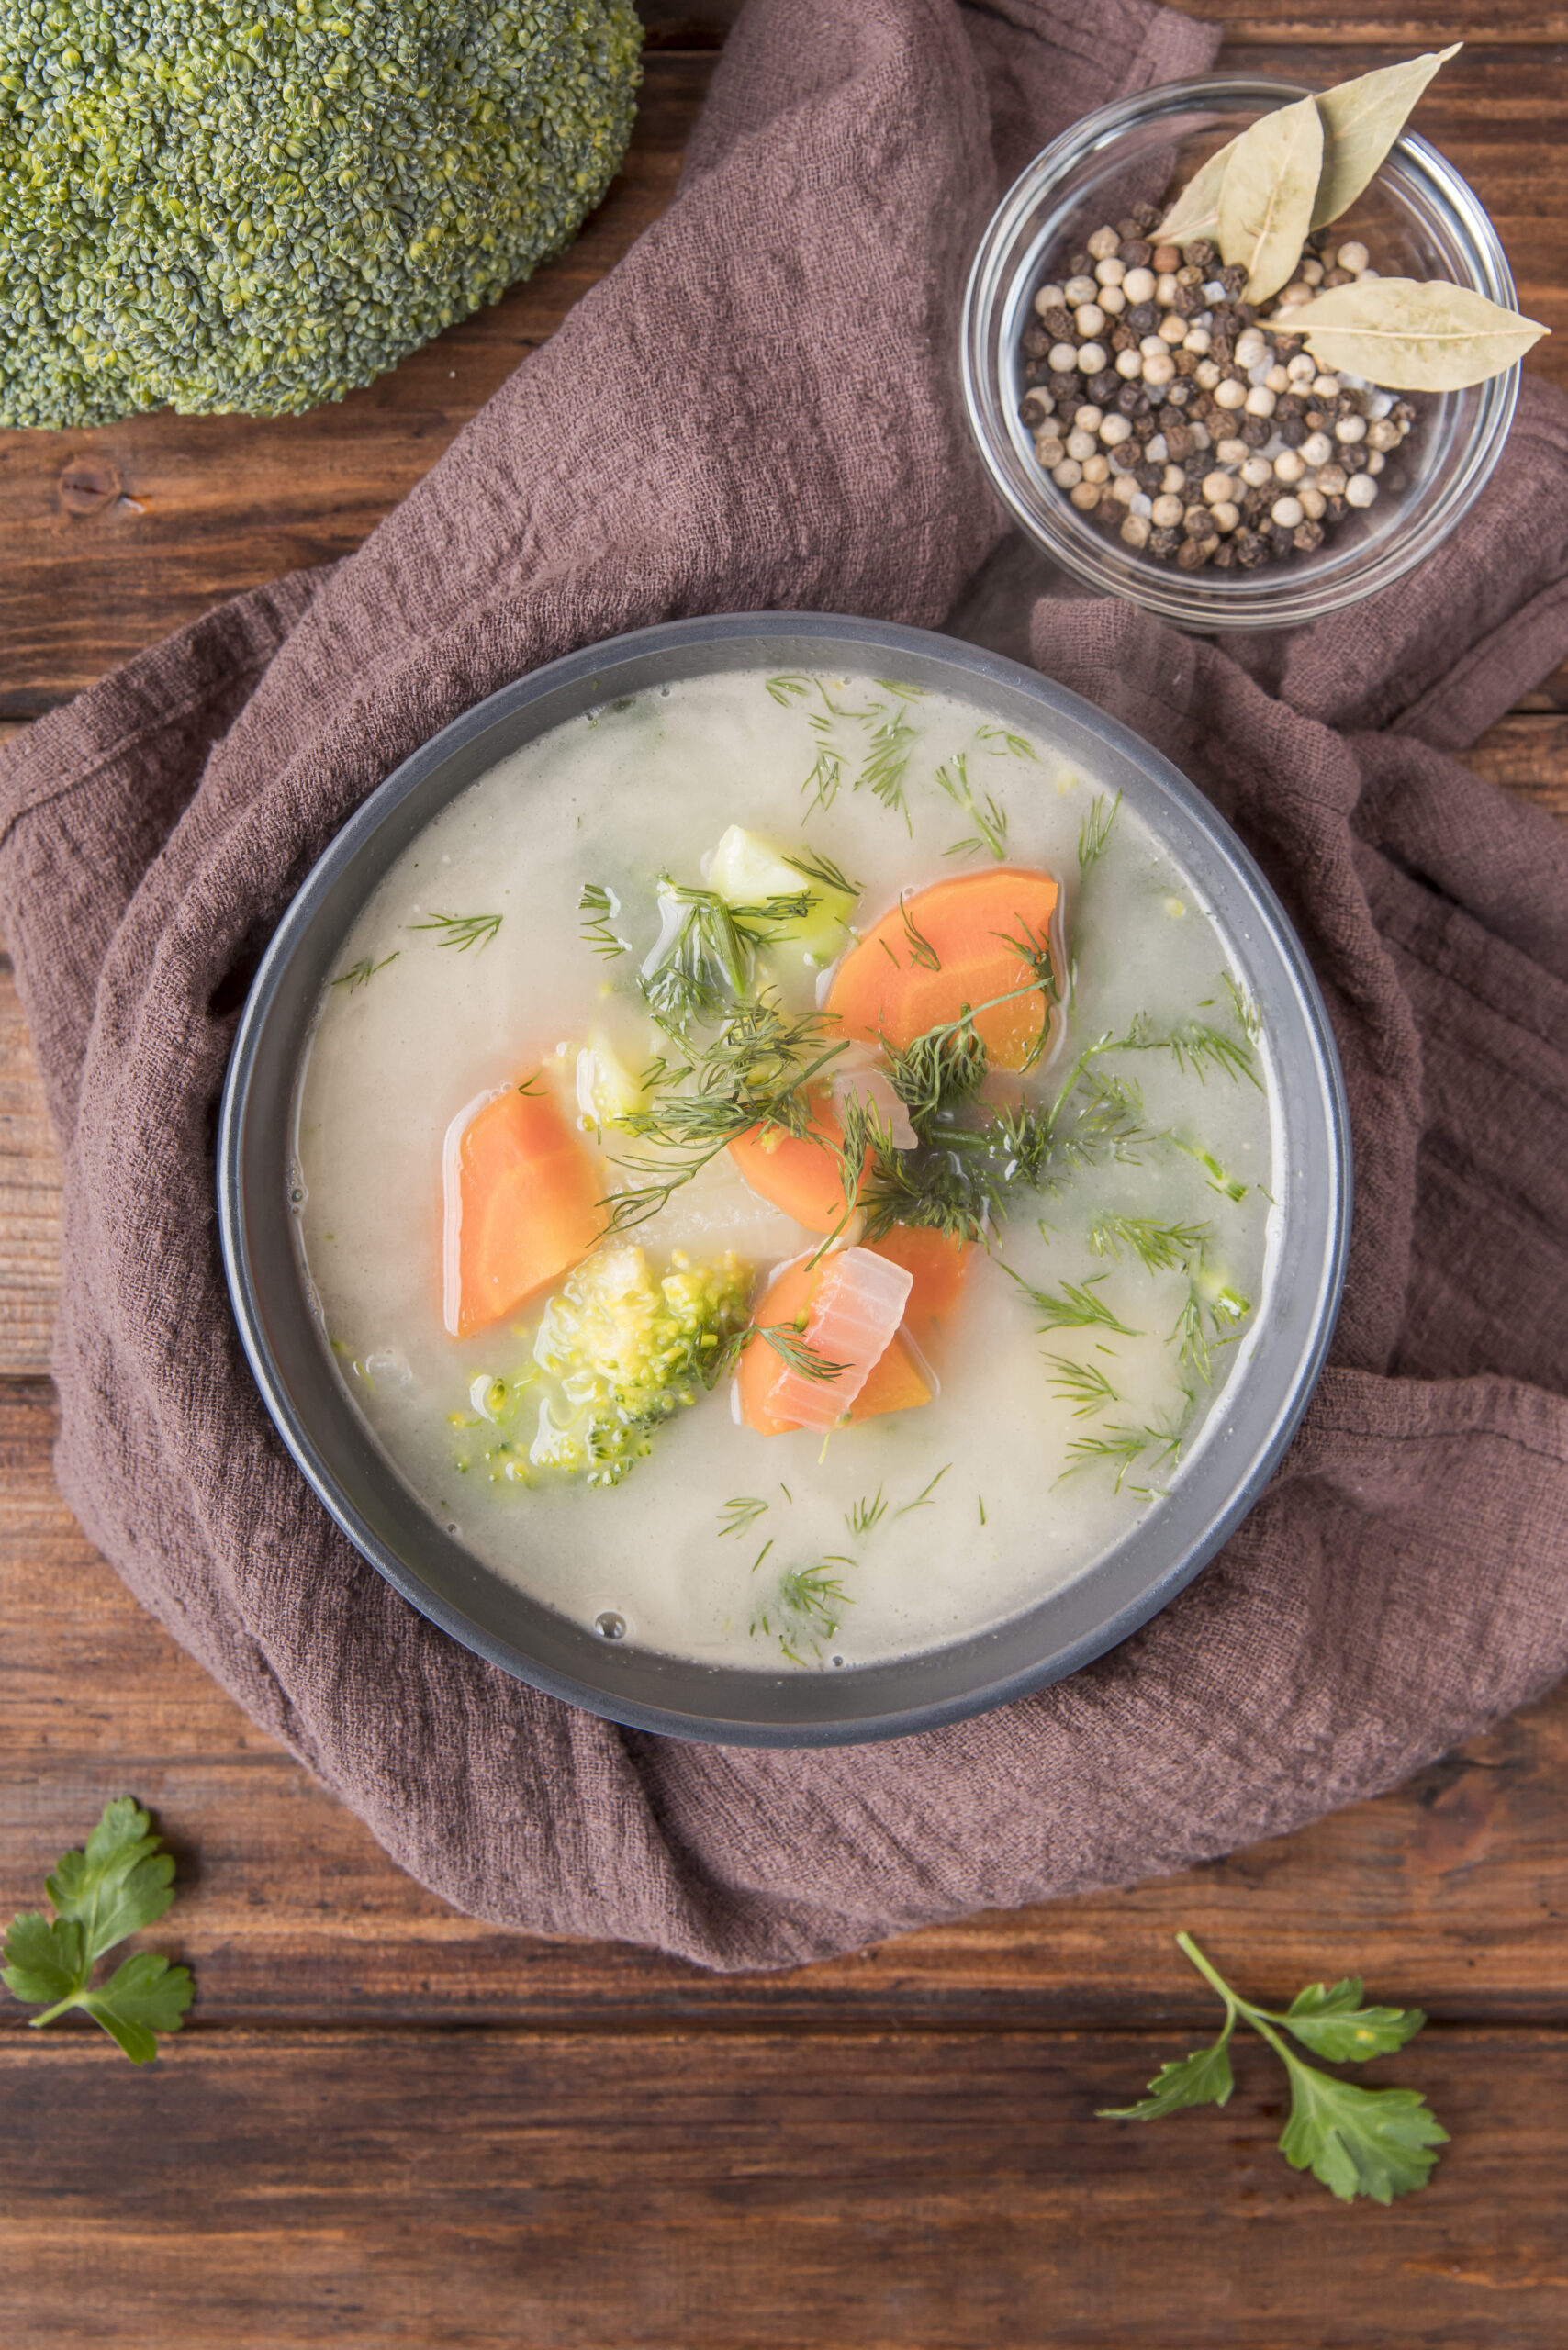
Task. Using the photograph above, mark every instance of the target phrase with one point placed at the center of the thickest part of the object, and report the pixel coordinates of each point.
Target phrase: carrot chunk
(896, 1384)
(939, 1266)
(522, 1205)
(846, 1309)
(942, 948)
(800, 1174)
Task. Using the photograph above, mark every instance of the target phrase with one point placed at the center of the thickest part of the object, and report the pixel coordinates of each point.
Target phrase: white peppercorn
(1354, 257)
(1316, 448)
(1050, 451)
(1257, 472)
(1217, 486)
(1260, 401)
(1287, 512)
(1172, 481)
(1199, 340)
(1110, 271)
(1114, 429)
(1090, 358)
(1138, 285)
(1123, 488)
(1049, 298)
(1225, 516)
(1158, 370)
(1086, 496)
(1311, 273)
(1301, 369)
(1173, 329)
(1104, 244)
(1288, 466)
(1067, 475)
(1376, 462)
(1250, 347)
(1314, 505)
(1361, 489)
(1080, 444)
(1090, 321)
(1129, 364)
(1097, 469)
(1061, 358)
(1112, 301)
(1380, 434)
(1134, 530)
(1206, 375)
(1087, 419)
(1230, 393)
(1331, 480)
(1232, 453)
(1167, 511)
(1277, 380)
(1326, 387)
(1079, 289)
(1165, 288)
(1350, 428)
(1295, 295)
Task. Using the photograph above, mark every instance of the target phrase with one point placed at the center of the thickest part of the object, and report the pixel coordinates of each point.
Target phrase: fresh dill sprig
(1076, 1308)
(1117, 1448)
(823, 869)
(1095, 832)
(1249, 1019)
(463, 931)
(886, 763)
(866, 1513)
(1000, 743)
(922, 954)
(827, 772)
(901, 692)
(1083, 1384)
(1229, 1186)
(988, 819)
(603, 905)
(741, 1513)
(1158, 1247)
(792, 1348)
(786, 690)
(1196, 1046)
(923, 1499)
(806, 1609)
(360, 974)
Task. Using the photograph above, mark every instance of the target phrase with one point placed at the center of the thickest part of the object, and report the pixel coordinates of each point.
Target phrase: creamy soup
(786, 1169)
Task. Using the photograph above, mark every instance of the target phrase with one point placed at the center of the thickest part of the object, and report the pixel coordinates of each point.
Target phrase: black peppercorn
(1060, 325)
(1148, 477)
(1065, 387)
(1192, 553)
(1134, 252)
(1197, 466)
(1133, 400)
(1182, 393)
(1162, 544)
(1288, 404)
(1233, 277)
(1188, 301)
(1292, 433)
(1307, 537)
(1252, 549)
(1352, 456)
(1224, 555)
(1147, 216)
(1103, 387)
(1111, 511)
(1035, 341)
(1035, 371)
(1258, 432)
(1185, 362)
(1122, 339)
(1127, 227)
(1143, 317)
(1202, 255)
(1143, 428)
(1082, 264)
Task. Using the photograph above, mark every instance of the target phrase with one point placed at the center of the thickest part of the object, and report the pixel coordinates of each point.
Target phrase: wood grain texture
(1449, 1892)
(156, 518)
(701, 2191)
(30, 1197)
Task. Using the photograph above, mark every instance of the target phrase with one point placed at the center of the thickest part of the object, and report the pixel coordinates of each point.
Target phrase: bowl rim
(1193, 603)
(246, 1156)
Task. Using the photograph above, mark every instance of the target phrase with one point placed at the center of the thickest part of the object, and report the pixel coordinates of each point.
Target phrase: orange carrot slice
(942, 948)
(522, 1205)
(851, 1304)
(939, 1266)
(800, 1174)
(896, 1384)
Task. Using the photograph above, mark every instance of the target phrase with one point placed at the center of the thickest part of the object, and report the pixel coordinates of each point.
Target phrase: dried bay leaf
(1267, 195)
(1195, 212)
(1413, 335)
(1361, 120)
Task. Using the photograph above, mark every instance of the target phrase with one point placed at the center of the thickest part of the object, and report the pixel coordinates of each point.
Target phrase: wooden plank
(155, 519)
(30, 1197)
(1448, 1893)
(1529, 756)
(692, 2191)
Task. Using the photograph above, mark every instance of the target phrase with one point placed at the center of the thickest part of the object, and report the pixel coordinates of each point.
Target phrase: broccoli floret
(618, 1351)
(216, 207)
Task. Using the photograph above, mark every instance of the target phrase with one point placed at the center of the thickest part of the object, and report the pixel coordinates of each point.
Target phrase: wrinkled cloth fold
(759, 408)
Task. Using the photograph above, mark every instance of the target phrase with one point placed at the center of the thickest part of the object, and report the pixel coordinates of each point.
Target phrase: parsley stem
(60, 2008)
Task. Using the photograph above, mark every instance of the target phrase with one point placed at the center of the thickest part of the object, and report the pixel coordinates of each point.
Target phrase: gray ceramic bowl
(332, 1444)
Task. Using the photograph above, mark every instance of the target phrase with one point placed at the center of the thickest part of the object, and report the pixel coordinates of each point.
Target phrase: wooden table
(385, 2123)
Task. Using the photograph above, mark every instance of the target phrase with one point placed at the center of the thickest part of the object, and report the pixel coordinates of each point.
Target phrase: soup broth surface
(1099, 1328)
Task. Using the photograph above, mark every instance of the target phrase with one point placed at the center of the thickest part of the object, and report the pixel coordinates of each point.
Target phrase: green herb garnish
(463, 931)
(1083, 1385)
(360, 974)
(988, 820)
(118, 1884)
(601, 905)
(740, 1513)
(1094, 832)
(1357, 2142)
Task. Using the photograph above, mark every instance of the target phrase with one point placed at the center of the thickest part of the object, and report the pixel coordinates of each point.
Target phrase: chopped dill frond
(1095, 832)
(1077, 1307)
(805, 1610)
(823, 869)
(1249, 1019)
(999, 742)
(463, 931)
(1118, 1448)
(921, 951)
(740, 1513)
(988, 819)
(923, 1499)
(886, 763)
(360, 974)
(786, 690)
(866, 1513)
(1158, 1247)
(603, 905)
(1083, 1384)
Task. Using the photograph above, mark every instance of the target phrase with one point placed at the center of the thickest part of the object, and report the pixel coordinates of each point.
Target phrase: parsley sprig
(1356, 2141)
(120, 1883)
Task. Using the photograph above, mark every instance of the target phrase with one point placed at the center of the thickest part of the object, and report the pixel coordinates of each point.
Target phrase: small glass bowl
(1418, 218)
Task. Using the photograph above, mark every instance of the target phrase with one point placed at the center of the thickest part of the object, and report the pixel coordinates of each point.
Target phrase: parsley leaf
(1357, 2142)
(119, 1883)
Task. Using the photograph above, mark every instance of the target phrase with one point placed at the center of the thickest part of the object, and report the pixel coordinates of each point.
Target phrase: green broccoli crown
(259, 204)
(618, 1351)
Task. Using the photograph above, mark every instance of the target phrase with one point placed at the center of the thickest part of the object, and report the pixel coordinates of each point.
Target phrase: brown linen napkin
(759, 408)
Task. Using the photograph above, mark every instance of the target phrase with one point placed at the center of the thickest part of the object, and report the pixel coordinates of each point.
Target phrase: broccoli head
(618, 1351)
(259, 204)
